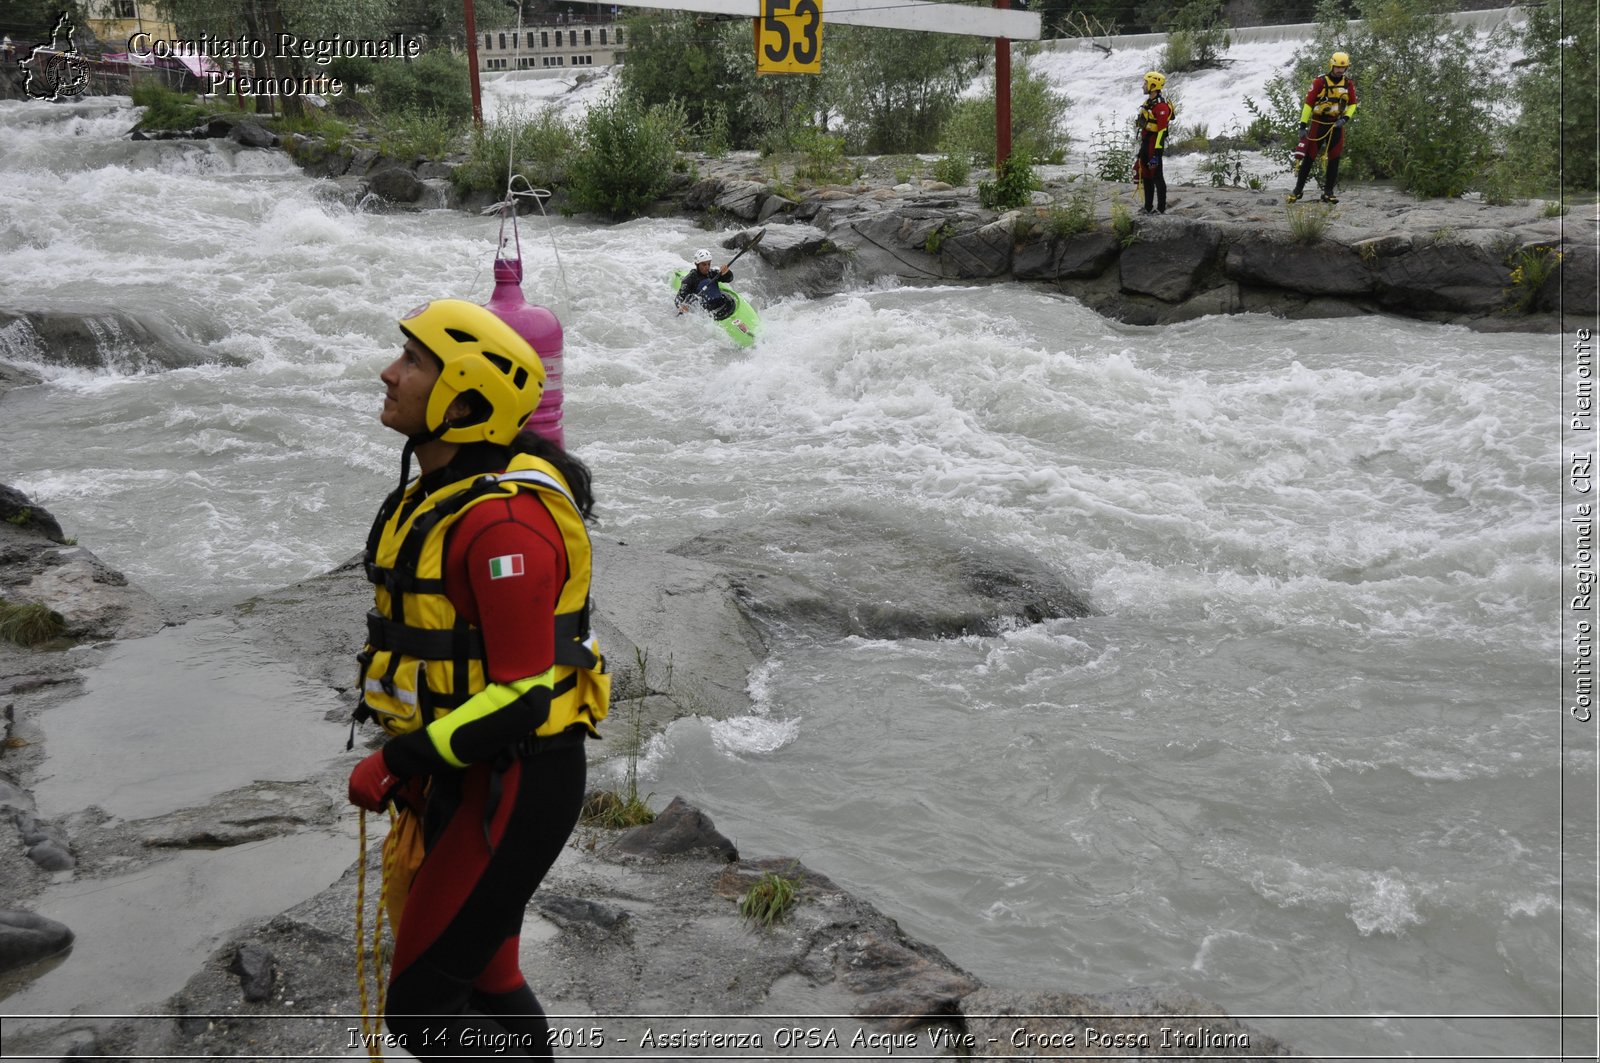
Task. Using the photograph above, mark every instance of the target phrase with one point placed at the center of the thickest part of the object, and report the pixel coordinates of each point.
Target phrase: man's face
(703, 267)
(407, 383)
(1337, 72)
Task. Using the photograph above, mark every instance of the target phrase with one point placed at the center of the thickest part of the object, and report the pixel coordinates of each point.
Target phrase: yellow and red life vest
(422, 660)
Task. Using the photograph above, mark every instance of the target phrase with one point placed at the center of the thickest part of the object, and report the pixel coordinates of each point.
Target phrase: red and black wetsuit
(1328, 104)
(1154, 119)
(493, 829)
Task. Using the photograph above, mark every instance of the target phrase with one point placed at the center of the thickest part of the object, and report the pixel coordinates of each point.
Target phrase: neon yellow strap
(1305, 114)
(1350, 112)
(490, 699)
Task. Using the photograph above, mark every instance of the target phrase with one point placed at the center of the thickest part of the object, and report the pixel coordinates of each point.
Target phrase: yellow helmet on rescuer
(1339, 59)
(483, 356)
(1155, 81)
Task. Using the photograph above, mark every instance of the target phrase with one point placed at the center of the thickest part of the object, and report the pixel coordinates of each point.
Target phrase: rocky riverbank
(1215, 251)
(636, 942)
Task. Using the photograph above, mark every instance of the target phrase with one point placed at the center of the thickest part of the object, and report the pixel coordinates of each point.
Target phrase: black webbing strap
(428, 643)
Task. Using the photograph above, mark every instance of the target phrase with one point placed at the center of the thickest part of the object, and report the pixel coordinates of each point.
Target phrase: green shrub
(541, 145)
(1074, 216)
(408, 134)
(1530, 268)
(1037, 115)
(1012, 187)
(166, 109)
(434, 83)
(1122, 223)
(953, 170)
(1113, 153)
(625, 155)
(823, 158)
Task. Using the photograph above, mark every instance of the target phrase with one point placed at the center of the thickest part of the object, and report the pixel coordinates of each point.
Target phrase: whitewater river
(1303, 761)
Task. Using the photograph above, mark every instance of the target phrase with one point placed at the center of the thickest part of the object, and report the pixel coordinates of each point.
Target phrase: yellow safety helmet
(480, 354)
(1339, 59)
(1155, 81)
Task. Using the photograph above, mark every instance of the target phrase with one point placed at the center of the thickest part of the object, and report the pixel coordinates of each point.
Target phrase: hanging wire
(507, 208)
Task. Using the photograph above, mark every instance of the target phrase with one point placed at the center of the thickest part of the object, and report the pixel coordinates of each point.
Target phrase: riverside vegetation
(689, 86)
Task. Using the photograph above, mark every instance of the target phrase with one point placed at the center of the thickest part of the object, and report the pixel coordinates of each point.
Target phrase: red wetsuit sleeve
(1316, 90)
(504, 568)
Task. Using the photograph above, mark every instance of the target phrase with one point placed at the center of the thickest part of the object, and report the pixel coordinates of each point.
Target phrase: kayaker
(480, 667)
(700, 285)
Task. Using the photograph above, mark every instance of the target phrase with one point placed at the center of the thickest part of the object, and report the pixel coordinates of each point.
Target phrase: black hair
(571, 468)
(574, 471)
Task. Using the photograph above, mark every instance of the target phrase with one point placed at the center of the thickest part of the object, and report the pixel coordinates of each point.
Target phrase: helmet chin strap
(412, 443)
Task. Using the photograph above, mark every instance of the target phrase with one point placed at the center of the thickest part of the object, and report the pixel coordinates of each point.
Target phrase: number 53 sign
(789, 37)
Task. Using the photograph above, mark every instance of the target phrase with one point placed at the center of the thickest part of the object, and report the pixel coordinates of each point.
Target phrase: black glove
(1304, 129)
(1342, 121)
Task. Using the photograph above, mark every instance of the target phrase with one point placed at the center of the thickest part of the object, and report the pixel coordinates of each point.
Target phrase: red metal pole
(472, 65)
(1002, 93)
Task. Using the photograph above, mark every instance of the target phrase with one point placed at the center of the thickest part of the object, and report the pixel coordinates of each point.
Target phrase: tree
(705, 64)
(1197, 35)
(896, 89)
(1555, 91)
(1036, 121)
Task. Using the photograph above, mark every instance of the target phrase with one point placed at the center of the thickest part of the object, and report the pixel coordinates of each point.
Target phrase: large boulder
(680, 830)
(1168, 261)
(1077, 257)
(27, 938)
(37, 565)
(787, 245)
(1315, 269)
(1462, 278)
(880, 574)
(742, 199)
(980, 252)
(396, 185)
(105, 338)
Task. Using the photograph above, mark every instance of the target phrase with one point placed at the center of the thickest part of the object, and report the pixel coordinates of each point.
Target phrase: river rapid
(1304, 760)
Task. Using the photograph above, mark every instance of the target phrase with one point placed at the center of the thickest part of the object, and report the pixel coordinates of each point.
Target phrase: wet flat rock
(878, 574)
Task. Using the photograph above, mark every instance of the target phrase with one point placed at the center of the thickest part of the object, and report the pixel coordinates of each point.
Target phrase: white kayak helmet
(702, 255)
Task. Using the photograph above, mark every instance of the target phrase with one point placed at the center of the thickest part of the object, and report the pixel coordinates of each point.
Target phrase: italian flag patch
(505, 566)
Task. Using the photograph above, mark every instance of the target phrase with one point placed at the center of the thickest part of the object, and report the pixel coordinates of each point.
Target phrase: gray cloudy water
(1303, 761)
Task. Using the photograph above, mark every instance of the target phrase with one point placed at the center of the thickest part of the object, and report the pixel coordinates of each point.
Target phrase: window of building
(619, 34)
(602, 38)
(502, 42)
(587, 41)
(126, 9)
(572, 38)
(488, 42)
(525, 62)
(561, 60)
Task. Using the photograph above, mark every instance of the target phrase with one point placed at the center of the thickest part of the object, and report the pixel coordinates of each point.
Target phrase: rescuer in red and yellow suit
(480, 666)
(1328, 106)
(1155, 116)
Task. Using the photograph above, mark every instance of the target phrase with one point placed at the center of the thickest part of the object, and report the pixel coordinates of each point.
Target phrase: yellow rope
(371, 1023)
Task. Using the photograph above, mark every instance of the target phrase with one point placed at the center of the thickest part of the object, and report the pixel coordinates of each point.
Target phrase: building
(552, 44)
(112, 22)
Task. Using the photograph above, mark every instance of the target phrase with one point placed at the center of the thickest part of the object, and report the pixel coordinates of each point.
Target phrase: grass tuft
(29, 623)
(1308, 222)
(770, 898)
